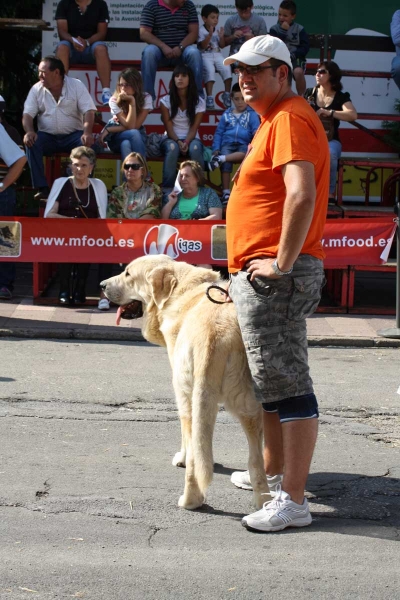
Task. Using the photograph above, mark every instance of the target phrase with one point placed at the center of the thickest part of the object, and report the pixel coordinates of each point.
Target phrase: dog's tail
(204, 414)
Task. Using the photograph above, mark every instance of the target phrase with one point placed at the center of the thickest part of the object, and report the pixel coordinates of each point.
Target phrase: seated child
(234, 133)
(210, 42)
(242, 27)
(295, 38)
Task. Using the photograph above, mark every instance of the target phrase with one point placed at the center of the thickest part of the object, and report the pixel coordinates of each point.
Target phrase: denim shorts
(272, 318)
(299, 408)
(228, 149)
(86, 57)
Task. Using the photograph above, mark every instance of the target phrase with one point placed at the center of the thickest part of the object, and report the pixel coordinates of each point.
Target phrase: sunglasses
(252, 70)
(321, 71)
(133, 166)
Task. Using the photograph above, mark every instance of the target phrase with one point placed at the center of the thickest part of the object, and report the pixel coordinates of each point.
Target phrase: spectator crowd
(59, 116)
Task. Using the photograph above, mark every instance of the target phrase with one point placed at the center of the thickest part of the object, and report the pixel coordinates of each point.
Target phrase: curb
(355, 342)
(73, 334)
(136, 336)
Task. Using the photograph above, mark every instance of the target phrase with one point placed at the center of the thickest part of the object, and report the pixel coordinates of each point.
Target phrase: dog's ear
(163, 283)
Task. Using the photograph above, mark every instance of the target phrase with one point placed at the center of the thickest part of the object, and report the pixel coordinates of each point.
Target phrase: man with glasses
(275, 219)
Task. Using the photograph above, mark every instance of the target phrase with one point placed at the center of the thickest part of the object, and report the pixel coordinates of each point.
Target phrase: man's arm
(13, 173)
(88, 122)
(193, 34)
(62, 29)
(298, 211)
(147, 36)
(30, 134)
(100, 35)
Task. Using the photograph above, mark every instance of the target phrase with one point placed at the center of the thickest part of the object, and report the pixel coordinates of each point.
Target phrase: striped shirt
(64, 116)
(170, 25)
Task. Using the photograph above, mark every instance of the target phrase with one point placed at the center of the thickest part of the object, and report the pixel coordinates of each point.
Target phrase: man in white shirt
(65, 116)
(12, 161)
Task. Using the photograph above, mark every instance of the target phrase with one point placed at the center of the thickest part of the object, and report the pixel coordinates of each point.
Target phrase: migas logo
(163, 239)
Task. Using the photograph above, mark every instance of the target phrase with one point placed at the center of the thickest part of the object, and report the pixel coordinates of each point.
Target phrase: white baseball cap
(259, 49)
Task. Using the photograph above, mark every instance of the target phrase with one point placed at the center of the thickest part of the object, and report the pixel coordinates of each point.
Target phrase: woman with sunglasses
(136, 198)
(328, 100)
(77, 197)
(182, 111)
(129, 105)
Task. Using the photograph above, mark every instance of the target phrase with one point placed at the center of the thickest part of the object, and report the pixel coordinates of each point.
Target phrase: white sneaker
(225, 197)
(105, 97)
(226, 99)
(103, 304)
(278, 514)
(242, 480)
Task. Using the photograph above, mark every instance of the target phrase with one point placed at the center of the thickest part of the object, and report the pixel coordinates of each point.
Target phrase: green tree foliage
(20, 52)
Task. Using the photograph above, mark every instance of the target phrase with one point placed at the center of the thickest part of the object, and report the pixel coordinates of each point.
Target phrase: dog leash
(220, 289)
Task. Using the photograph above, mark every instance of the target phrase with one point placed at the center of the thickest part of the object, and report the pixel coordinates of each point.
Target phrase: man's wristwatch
(181, 47)
(277, 270)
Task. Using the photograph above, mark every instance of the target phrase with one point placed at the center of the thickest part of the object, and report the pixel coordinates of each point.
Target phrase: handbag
(327, 122)
(153, 144)
(328, 125)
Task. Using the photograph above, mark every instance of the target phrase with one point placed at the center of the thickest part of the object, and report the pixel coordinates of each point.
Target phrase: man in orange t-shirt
(275, 219)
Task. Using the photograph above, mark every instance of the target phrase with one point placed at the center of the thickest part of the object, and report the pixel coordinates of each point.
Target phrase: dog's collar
(220, 289)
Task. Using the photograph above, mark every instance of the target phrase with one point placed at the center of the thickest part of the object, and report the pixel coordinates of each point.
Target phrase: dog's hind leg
(179, 459)
(252, 426)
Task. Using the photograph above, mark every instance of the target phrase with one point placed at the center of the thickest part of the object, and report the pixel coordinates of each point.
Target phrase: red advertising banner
(345, 241)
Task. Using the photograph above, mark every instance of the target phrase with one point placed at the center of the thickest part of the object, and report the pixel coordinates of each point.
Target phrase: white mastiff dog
(207, 357)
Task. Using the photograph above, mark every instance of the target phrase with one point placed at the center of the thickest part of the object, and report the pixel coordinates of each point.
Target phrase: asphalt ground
(88, 494)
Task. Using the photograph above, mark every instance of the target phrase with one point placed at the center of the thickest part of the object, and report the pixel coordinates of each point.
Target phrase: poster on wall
(345, 241)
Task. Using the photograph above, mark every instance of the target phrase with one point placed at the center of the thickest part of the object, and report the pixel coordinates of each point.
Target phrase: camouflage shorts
(272, 317)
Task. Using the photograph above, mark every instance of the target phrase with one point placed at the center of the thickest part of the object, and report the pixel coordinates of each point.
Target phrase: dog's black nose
(103, 284)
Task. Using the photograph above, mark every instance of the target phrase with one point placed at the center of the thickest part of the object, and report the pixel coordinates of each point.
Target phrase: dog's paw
(191, 503)
(179, 460)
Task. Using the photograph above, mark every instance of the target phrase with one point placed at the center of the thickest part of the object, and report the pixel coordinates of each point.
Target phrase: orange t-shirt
(291, 131)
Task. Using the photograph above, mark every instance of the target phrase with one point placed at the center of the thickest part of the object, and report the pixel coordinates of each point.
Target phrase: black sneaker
(214, 163)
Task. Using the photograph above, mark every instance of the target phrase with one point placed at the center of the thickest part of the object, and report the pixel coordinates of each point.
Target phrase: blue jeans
(83, 58)
(8, 200)
(171, 151)
(152, 58)
(47, 145)
(396, 70)
(130, 140)
(335, 150)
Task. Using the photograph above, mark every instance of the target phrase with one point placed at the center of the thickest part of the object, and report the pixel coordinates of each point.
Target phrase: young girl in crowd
(129, 106)
(181, 112)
